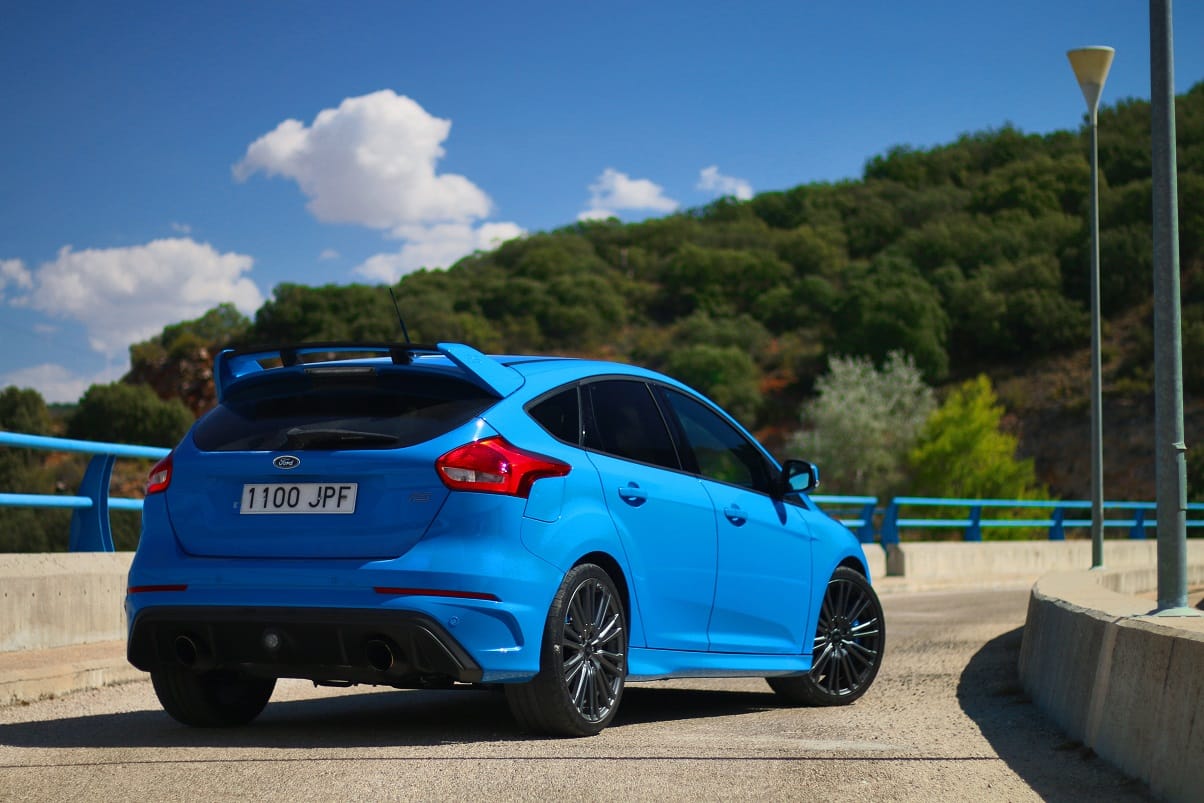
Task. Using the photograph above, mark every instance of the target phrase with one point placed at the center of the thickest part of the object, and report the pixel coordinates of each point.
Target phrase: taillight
(159, 477)
(492, 465)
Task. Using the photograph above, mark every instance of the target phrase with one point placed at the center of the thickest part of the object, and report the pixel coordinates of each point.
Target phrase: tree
(962, 453)
(218, 327)
(863, 421)
(891, 306)
(21, 410)
(719, 281)
(178, 362)
(25, 471)
(349, 312)
(725, 373)
(124, 413)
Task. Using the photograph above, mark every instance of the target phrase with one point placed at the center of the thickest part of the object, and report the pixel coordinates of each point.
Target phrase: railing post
(1138, 528)
(974, 531)
(90, 531)
(890, 524)
(865, 533)
(1057, 532)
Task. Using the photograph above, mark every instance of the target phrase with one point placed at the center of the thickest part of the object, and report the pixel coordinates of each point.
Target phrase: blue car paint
(684, 620)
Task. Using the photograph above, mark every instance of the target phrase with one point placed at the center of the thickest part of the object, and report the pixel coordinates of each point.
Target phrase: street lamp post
(1090, 65)
(1170, 449)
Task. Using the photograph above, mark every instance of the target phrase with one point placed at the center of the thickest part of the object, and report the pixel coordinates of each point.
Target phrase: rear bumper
(396, 648)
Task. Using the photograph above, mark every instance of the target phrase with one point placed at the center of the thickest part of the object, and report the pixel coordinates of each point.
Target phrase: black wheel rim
(593, 650)
(848, 641)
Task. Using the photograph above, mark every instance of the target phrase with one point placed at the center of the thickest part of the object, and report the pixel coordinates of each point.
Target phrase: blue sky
(159, 158)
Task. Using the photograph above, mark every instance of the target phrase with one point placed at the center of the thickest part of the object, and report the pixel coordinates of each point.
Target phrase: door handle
(735, 515)
(633, 494)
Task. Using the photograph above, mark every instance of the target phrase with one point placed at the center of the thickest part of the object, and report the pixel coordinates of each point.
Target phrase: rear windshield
(310, 411)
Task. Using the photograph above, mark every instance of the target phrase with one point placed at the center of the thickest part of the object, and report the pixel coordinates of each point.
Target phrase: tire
(583, 660)
(219, 698)
(849, 642)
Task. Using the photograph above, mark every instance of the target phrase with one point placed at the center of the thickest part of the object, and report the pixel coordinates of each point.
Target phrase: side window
(626, 422)
(560, 415)
(721, 451)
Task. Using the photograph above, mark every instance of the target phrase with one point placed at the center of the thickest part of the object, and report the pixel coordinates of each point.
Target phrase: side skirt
(646, 664)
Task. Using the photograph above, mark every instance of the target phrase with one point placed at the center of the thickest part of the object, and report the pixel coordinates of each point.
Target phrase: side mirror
(798, 476)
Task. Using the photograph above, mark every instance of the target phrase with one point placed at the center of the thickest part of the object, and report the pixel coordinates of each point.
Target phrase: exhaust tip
(380, 654)
(188, 652)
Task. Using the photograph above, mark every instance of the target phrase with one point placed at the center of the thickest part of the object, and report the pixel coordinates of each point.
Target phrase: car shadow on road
(342, 719)
(990, 693)
(366, 719)
(649, 703)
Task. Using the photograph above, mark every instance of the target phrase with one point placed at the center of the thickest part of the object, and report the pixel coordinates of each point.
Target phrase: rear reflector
(148, 589)
(436, 592)
(493, 465)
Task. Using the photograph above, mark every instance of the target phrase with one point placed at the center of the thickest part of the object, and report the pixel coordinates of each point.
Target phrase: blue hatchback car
(427, 516)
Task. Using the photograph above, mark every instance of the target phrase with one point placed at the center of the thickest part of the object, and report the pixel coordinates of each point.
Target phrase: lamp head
(1090, 65)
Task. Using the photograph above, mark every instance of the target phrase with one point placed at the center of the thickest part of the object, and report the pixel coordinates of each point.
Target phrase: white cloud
(181, 228)
(711, 180)
(328, 254)
(55, 383)
(435, 246)
(614, 191)
(371, 162)
(596, 214)
(14, 273)
(125, 295)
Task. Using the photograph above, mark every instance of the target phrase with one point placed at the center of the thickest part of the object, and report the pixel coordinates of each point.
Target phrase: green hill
(972, 257)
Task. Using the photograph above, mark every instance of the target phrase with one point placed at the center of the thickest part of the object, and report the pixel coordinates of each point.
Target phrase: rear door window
(624, 420)
(309, 410)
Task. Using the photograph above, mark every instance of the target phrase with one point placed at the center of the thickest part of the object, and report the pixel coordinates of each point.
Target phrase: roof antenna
(404, 332)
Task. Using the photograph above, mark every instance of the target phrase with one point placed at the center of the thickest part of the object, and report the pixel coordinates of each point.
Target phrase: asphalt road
(946, 720)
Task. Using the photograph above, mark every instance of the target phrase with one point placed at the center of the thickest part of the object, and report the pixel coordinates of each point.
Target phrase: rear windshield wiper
(298, 438)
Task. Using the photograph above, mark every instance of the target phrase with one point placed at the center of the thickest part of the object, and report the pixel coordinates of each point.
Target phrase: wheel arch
(856, 565)
(612, 567)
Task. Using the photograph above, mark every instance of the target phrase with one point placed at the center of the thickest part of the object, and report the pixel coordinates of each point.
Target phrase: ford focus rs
(429, 516)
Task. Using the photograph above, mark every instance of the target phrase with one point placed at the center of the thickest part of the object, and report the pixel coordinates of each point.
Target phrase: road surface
(946, 720)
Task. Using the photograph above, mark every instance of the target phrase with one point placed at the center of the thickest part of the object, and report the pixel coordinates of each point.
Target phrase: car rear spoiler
(231, 365)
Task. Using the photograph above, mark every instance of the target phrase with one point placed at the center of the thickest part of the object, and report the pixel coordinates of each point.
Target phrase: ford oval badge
(286, 461)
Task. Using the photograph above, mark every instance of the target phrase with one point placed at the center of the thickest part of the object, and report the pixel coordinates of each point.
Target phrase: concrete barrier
(875, 559)
(62, 599)
(961, 561)
(1127, 684)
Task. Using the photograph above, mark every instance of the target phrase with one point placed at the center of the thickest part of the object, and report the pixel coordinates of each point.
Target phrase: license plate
(298, 497)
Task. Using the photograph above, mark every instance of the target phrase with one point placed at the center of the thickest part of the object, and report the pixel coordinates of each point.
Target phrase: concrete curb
(1121, 681)
(30, 675)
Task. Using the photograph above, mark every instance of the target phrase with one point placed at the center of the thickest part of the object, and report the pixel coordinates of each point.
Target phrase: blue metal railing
(90, 529)
(1057, 522)
(866, 507)
(91, 532)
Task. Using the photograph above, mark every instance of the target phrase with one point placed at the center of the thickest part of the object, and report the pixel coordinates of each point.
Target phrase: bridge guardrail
(866, 506)
(91, 532)
(1057, 522)
(90, 528)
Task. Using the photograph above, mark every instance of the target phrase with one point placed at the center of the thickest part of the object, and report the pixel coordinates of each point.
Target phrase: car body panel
(673, 573)
(758, 607)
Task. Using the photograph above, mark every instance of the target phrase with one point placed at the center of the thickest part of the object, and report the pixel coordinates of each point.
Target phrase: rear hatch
(321, 461)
